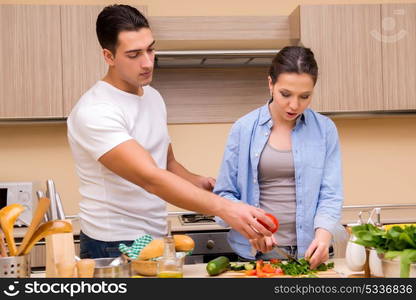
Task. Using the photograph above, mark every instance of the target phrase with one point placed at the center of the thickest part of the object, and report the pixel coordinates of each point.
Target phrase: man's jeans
(91, 248)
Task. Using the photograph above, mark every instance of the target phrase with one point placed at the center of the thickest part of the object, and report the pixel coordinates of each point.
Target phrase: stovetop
(197, 219)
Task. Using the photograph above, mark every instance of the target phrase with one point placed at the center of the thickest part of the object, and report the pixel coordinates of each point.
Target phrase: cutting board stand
(60, 248)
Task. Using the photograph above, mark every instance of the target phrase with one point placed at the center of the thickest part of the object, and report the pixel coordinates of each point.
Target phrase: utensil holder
(15, 266)
(60, 248)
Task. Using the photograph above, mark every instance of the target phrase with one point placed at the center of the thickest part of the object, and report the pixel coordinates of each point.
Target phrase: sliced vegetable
(237, 266)
(294, 269)
(251, 272)
(250, 266)
(268, 268)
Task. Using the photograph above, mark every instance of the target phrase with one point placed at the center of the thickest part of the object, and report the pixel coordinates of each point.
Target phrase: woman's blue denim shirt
(318, 173)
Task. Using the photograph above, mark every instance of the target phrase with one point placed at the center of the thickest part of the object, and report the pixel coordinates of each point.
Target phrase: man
(119, 139)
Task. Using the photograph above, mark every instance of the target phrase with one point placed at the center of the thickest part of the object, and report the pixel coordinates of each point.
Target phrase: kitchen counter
(199, 271)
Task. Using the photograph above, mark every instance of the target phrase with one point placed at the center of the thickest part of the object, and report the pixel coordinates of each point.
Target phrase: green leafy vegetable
(395, 242)
(294, 269)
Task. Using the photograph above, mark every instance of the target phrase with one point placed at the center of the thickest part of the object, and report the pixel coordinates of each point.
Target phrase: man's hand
(243, 218)
(318, 250)
(264, 244)
(206, 183)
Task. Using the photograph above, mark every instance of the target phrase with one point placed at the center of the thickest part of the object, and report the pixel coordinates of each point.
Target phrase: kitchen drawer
(210, 243)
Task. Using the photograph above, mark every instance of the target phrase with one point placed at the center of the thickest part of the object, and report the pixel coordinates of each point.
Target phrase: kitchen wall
(378, 153)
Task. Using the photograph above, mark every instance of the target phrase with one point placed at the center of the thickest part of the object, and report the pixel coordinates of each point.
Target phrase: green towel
(137, 246)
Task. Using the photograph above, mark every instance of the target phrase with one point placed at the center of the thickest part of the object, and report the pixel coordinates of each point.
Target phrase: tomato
(251, 272)
(279, 271)
(268, 268)
(275, 222)
(259, 267)
(274, 261)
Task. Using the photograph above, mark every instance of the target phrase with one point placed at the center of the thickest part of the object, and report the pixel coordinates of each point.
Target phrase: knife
(51, 194)
(285, 254)
(47, 216)
(59, 207)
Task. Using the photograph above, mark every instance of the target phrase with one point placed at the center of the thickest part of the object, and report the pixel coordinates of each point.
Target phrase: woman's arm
(226, 185)
(330, 200)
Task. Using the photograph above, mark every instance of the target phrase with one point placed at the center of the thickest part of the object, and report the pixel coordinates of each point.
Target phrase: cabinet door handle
(210, 244)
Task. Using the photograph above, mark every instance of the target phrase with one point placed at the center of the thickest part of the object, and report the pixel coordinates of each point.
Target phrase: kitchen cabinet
(30, 62)
(222, 32)
(211, 95)
(349, 57)
(83, 62)
(398, 41)
(81, 53)
(365, 53)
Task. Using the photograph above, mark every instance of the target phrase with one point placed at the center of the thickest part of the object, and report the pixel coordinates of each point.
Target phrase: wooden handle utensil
(41, 209)
(48, 228)
(3, 249)
(8, 216)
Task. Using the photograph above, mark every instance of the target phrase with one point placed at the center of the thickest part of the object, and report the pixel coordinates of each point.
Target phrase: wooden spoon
(86, 268)
(48, 228)
(3, 249)
(8, 216)
(42, 208)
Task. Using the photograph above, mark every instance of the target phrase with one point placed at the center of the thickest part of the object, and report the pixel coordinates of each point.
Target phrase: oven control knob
(210, 244)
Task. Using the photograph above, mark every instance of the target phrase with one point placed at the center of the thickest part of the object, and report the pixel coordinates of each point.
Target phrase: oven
(210, 238)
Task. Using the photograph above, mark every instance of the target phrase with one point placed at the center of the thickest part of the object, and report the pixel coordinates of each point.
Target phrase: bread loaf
(183, 243)
(155, 248)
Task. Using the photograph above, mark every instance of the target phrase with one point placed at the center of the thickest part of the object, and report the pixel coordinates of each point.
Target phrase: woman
(285, 158)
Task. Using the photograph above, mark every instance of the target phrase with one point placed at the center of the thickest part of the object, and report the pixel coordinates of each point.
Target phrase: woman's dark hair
(294, 59)
(116, 18)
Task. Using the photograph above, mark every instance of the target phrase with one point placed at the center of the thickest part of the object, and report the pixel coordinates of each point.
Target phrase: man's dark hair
(294, 59)
(116, 18)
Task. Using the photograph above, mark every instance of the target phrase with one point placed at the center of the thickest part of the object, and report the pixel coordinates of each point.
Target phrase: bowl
(391, 268)
(150, 267)
(103, 269)
(144, 267)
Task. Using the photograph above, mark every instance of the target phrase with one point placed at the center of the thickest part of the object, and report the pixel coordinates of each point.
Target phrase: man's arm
(132, 162)
(206, 183)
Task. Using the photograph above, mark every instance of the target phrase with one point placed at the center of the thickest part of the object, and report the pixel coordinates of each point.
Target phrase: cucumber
(237, 266)
(249, 266)
(218, 265)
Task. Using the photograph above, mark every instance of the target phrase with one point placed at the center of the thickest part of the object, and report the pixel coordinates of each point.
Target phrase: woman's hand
(263, 244)
(318, 251)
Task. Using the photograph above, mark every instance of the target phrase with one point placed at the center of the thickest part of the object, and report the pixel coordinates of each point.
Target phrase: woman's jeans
(91, 248)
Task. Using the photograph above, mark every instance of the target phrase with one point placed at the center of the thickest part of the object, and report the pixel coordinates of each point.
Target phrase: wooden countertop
(199, 271)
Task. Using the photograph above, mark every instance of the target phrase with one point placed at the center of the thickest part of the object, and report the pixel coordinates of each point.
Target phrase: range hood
(214, 58)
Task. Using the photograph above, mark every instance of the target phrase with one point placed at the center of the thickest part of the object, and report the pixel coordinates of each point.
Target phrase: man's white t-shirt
(112, 208)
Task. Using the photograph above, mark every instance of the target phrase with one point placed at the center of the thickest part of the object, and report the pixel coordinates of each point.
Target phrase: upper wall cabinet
(222, 32)
(348, 56)
(81, 53)
(398, 40)
(30, 62)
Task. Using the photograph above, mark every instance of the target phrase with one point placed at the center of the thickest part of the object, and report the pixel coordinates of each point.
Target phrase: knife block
(60, 249)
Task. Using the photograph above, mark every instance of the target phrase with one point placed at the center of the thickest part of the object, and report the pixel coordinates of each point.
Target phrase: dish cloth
(137, 246)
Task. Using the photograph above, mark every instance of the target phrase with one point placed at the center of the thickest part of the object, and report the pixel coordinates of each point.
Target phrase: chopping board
(321, 274)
